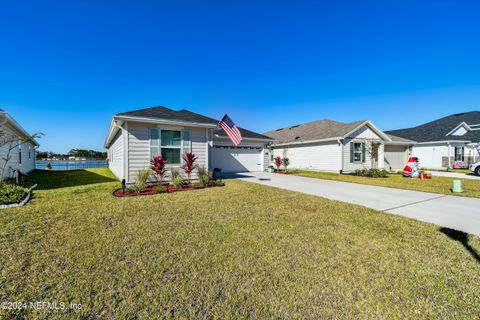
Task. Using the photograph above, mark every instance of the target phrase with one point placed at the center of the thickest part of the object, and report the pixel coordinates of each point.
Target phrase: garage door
(395, 157)
(237, 159)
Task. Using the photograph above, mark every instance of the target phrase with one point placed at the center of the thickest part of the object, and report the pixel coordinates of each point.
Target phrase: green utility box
(457, 186)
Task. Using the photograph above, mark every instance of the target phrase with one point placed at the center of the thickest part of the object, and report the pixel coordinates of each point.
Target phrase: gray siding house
(328, 145)
(22, 153)
(135, 137)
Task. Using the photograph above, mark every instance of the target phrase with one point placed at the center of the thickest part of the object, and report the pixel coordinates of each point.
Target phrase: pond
(70, 165)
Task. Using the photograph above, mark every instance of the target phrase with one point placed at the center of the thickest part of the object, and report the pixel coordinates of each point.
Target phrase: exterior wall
(430, 156)
(364, 134)
(28, 158)
(28, 163)
(116, 159)
(139, 147)
(320, 156)
(396, 157)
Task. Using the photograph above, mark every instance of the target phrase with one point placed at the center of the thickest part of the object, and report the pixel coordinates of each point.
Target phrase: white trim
(125, 135)
(373, 127)
(463, 124)
(17, 127)
(244, 138)
(165, 121)
(444, 141)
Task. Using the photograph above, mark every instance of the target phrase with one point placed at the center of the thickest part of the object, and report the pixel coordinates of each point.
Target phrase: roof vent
(294, 126)
(459, 114)
(297, 137)
(279, 129)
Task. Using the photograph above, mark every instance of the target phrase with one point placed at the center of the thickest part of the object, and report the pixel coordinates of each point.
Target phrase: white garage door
(237, 159)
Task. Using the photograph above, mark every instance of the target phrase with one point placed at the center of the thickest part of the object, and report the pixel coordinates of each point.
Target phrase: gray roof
(399, 139)
(437, 130)
(311, 131)
(183, 115)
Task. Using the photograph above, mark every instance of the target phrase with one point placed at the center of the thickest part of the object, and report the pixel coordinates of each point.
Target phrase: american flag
(231, 130)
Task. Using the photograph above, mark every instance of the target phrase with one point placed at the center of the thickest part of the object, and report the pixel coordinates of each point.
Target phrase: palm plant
(158, 166)
(189, 163)
(278, 162)
(141, 179)
(203, 176)
(285, 162)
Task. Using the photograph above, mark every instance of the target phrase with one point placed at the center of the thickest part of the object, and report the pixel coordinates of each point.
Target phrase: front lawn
(440, 185)
(242, 251)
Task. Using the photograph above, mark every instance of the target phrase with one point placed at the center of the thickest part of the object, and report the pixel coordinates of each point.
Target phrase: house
(328, 145)
(440, 143)
(135, 137)
(17, 147)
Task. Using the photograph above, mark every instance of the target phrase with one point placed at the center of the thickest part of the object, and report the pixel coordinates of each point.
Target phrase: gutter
(17, 126)
(165, 121)
(306, 141)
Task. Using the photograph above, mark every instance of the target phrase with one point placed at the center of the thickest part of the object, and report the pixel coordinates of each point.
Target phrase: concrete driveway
(455, 175)
(459, 213)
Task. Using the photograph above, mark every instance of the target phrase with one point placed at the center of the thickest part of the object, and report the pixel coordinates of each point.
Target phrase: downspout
(342, 156)
(449, 161)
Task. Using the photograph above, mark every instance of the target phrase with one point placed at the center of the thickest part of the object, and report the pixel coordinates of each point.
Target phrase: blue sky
(67, 66)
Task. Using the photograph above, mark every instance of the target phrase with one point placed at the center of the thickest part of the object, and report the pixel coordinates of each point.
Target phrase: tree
(372, 148)
(10, 142)
(278, 162)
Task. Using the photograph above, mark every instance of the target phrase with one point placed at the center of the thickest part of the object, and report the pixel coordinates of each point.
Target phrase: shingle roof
(316, 130)
(184, 115)
(437, 130)
(399, 139)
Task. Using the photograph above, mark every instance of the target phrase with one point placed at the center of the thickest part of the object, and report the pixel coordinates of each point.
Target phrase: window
(459, 154)
(357, 152)
(170, 144)
(20, 154)
(29, 153)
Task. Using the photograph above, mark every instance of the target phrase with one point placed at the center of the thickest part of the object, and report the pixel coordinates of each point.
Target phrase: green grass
(241, 251)
(440, 185)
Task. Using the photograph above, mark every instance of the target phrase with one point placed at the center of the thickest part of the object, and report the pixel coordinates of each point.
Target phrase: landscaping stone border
(21, 203)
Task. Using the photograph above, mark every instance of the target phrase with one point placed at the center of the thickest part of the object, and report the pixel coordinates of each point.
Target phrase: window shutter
(186, 141)
(363, 152)
(351, 152)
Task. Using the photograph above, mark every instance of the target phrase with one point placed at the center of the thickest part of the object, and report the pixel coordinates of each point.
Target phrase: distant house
(441, 143)
(328, 145)
(135, 137)
(20, 143)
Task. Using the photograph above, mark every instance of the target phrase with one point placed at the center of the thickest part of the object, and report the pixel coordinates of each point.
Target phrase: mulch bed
(150, 191)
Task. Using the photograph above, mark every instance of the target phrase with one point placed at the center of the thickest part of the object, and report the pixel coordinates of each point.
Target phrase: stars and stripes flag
(231, 130)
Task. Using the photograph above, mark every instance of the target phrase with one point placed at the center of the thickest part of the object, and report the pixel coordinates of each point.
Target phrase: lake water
(70, 165)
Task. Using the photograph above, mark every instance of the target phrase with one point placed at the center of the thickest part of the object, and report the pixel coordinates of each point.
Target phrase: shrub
(278, 162)
(203, 176)
(189, 163)
(372, 173)
(198, 185)
(285, 162)
(178, 181)
(11, 193)
(158, 166)
(174, 173)
(141, 180)
(160, 189)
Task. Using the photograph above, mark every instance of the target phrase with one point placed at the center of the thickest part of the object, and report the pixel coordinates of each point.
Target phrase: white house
(328, 145)
(16, 147)
(442, 142)
(135, 137)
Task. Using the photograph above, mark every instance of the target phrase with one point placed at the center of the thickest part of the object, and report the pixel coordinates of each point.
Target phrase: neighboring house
(21, 145)
(442, 142)
(135, 137)
(328, 145)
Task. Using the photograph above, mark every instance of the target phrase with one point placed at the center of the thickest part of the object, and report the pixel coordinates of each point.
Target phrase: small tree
(158, 166)
(10, 142)
(285, 162)
(278, 162)
(189, 163)
(372, 148)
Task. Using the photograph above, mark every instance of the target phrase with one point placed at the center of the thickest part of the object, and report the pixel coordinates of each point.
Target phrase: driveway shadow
(461, 237)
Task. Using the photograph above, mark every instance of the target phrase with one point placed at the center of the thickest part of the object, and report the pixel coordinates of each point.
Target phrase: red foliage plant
(278, 162)
(189, 163)
(158, 166)
(285, 162)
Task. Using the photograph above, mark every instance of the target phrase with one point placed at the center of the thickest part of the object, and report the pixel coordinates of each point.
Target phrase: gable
(365, 133)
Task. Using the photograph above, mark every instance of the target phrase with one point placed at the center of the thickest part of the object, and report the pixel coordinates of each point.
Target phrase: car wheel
(477, 170)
